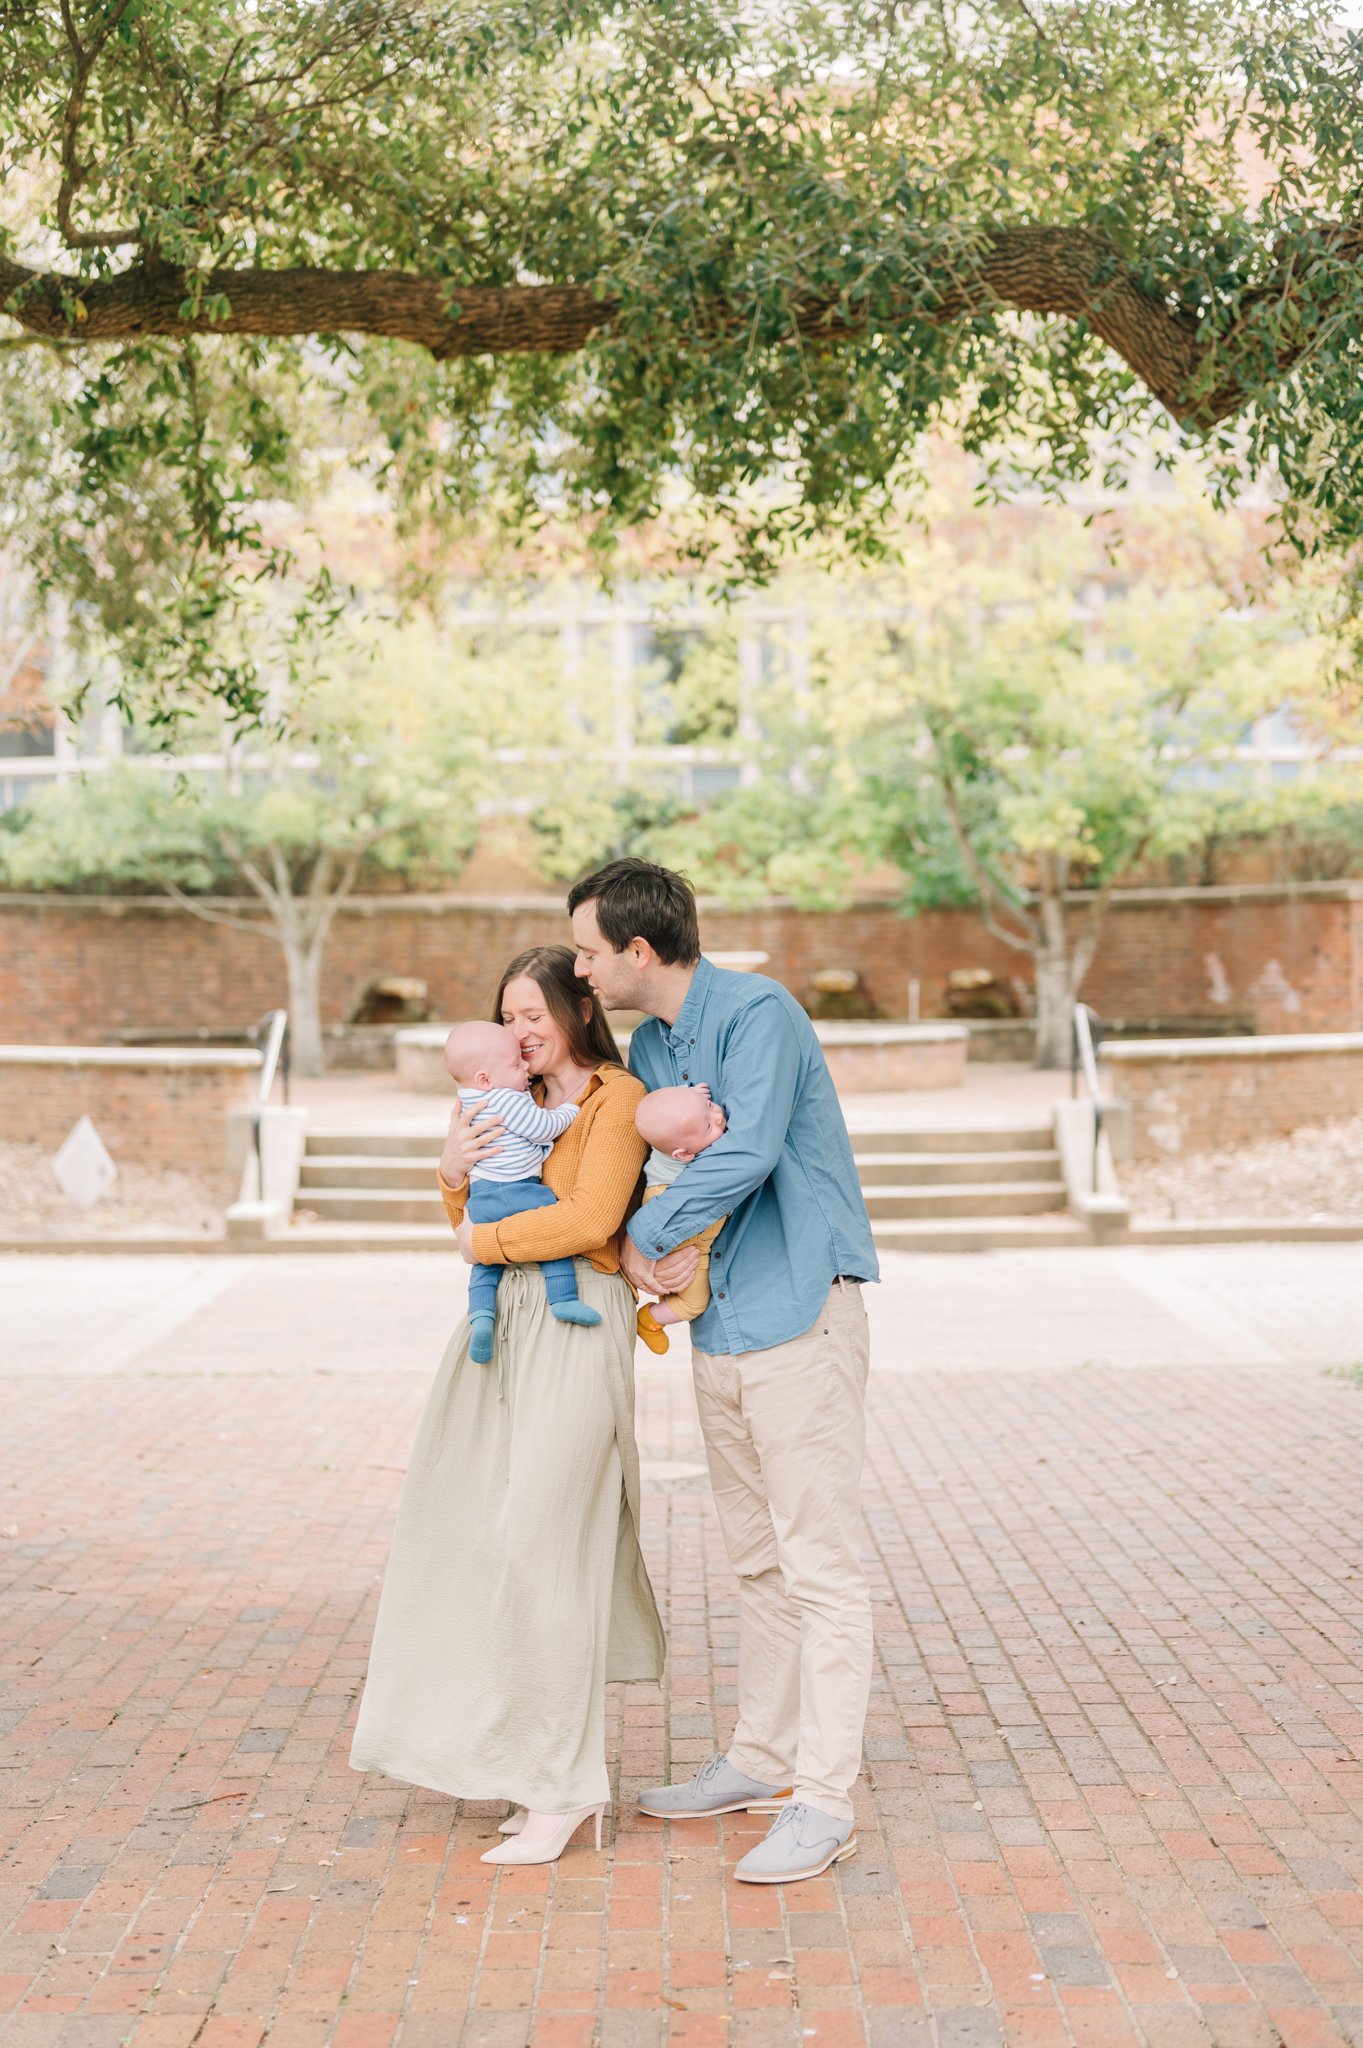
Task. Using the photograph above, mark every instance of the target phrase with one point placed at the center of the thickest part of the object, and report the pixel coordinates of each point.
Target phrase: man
(780, 1356)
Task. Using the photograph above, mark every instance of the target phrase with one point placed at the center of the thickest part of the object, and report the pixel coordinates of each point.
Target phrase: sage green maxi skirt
(516, 1587)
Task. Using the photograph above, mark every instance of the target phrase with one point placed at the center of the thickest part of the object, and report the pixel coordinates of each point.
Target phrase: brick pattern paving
(1113, 1778)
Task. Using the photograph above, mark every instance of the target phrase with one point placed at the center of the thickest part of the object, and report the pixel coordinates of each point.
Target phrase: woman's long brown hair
(591, 1042)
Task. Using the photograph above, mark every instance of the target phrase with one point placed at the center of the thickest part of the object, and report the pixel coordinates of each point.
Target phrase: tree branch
(1086, 945)
(987, 888)
(247, 868)
(10, 342)
(256, 925)
(1070, 271)
(74, 172)
(345, 882)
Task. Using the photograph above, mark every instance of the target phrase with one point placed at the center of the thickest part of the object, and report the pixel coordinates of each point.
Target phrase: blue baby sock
(573, 1312)
(480, 1336)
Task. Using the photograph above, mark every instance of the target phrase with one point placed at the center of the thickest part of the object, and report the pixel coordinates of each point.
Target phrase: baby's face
(505, 1067)
(486, 1056)
(702, 1122)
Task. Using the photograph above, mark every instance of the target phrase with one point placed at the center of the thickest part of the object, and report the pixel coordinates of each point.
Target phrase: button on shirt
(783, 1172)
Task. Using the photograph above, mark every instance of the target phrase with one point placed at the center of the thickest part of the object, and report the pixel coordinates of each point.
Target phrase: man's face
(618, 978)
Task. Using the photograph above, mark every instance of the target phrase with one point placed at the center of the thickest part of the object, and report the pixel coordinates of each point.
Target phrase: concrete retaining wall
(163, 1108)
(1195, 1094)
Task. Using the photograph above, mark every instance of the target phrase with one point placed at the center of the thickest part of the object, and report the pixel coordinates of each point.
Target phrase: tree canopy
(588, 262)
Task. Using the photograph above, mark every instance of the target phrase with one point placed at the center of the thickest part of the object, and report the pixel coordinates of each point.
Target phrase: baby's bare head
(482, 1055)
(680, 1121)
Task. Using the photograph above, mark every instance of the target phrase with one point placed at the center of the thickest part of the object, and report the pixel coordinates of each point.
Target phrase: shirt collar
(684, 1031)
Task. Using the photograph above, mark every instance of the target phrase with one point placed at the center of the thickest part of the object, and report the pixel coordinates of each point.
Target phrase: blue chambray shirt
(783, 1172)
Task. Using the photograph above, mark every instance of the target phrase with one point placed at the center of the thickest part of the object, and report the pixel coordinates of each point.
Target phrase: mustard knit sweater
(593, 1169)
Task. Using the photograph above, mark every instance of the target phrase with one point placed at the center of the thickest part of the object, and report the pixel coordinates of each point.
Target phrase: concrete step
(904, 1169)
(341, 1170)
(367, 1237)
(373, 1205)
(999, 1138)
(399, 1141)
(377, 1201)
(982, 1198)
(1001, 1233)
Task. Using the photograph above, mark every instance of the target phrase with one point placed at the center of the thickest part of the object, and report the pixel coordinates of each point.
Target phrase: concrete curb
(1337, 1230)
(232, 1248)
(1249, 1230)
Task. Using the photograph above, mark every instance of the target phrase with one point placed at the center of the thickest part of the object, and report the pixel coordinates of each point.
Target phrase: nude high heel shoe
(513, 1823)
(517, 1850)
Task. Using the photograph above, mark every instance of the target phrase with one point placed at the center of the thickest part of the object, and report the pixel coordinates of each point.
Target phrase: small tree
(1014, 731)
(1052, 767)
(292, 823)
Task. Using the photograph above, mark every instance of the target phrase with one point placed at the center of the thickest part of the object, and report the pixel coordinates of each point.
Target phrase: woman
(516, 1587)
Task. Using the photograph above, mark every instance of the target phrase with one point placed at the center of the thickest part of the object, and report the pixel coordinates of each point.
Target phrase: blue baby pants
(491, 1201)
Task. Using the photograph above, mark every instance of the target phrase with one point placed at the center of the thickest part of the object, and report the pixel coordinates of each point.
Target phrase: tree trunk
(1054, 1009)
(1054, 969)
(305, 1006)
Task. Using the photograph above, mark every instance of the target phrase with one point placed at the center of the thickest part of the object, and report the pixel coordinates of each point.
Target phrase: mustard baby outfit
(660, 1170)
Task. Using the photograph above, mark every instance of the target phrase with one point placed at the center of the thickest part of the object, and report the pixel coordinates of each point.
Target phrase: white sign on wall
(84, 1170)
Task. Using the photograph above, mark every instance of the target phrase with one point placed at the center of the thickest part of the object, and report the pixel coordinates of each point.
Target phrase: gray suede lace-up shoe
(801, 1842)
(716, 1788)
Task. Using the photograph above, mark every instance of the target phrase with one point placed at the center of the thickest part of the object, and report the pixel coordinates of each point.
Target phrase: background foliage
(588, 269)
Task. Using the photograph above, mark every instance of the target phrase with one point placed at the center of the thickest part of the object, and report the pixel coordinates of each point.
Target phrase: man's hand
(463, 1237)
(658, 1276)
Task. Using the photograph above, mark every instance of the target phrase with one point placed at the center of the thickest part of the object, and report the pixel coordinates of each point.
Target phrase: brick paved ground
(1113, 1786)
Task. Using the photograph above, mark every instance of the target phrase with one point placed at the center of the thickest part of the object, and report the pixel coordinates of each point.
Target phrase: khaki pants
(785, 1436)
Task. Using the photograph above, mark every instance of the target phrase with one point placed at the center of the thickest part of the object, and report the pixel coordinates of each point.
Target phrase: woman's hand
(466, 1147)
(463, 1237)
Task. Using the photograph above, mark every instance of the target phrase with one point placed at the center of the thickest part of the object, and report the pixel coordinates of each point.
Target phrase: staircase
(964, 1190)
(372, 1188)
(926, 1190)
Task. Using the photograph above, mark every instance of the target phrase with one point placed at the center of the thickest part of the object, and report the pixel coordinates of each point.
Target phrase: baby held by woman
(678, 1123)
(485, 1060)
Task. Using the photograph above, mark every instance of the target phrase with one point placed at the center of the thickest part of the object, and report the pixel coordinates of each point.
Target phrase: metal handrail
(273, 1030)
(1084, 1059)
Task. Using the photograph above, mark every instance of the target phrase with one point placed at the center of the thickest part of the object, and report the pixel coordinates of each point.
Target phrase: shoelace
(707, 1771)
(788, 1817)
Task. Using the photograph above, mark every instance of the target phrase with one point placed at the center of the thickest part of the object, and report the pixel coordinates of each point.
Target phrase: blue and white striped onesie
(530, 1132)
(506, 1184)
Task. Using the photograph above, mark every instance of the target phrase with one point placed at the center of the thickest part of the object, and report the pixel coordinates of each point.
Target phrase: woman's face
(543, 1045)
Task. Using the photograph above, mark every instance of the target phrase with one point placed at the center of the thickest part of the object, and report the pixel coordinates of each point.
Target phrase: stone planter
(864, 1059)
(877, 1059)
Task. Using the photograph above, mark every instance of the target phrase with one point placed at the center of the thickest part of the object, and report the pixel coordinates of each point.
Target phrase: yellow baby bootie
(653, 1333)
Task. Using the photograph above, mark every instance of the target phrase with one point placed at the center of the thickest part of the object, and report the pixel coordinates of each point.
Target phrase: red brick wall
(1204, 1100)
(1286, 959)
(148, 1113)
(74, 969)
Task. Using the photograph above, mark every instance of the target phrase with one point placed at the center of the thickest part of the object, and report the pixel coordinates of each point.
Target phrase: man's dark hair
(636, 900)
